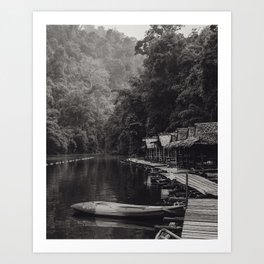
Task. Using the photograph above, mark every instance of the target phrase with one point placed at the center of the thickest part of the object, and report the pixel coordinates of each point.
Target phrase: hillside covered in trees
(106, 91)
(87, 67)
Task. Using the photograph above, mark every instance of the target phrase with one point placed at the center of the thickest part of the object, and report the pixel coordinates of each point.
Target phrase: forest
(107, 91)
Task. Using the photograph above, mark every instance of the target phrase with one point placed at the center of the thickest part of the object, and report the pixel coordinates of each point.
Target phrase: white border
(40, 20)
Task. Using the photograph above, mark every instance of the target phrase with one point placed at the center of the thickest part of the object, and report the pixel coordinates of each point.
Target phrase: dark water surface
(103, 178)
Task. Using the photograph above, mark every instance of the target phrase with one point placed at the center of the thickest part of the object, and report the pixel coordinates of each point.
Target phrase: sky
(138, 31)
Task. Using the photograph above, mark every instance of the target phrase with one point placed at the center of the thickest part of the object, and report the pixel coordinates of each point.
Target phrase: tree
(86, 66)
(177, 87)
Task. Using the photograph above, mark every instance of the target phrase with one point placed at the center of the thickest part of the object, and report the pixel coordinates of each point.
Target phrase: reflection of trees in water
(102, 178)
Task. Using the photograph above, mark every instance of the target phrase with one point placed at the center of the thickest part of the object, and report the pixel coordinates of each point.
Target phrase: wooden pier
(201, 215)
(196, 182)
(201, 220)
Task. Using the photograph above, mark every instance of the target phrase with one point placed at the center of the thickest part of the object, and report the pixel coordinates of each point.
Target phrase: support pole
(187, 189)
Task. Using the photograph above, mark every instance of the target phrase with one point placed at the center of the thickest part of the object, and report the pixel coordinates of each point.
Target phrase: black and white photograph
(130, 132)
(125, 135)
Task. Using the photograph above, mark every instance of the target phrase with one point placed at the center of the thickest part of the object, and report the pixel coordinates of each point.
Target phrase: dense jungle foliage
(106, 91)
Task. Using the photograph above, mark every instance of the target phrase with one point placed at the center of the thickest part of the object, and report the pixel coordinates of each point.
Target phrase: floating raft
(200, 221)
(196, 182)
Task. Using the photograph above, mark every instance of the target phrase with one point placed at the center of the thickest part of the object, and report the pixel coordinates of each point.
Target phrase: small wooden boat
(101, 208)
(166, 234)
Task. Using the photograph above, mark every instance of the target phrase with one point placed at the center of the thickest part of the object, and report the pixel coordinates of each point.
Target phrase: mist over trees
(177, 88)
(86, 69)
(106, 91)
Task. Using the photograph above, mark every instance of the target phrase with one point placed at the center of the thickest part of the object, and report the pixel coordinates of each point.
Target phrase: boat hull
(125, 210)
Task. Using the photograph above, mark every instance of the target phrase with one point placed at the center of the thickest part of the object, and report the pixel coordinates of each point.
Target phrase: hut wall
(204, 156)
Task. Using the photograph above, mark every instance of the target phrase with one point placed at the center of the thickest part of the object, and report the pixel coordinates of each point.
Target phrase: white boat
(101, 208)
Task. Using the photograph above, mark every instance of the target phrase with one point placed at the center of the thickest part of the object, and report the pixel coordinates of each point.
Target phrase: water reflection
(101, 178)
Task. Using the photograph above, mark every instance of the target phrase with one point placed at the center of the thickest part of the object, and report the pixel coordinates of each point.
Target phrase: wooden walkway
(196, 182)
(201, 219)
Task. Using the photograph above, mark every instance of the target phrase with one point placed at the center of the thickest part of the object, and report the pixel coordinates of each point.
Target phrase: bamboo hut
(204, 150)
(195, 146)
(171, 153)
(151, 148)
(164, 139)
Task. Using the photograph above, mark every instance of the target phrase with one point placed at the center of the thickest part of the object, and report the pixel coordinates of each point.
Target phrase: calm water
(102, 178)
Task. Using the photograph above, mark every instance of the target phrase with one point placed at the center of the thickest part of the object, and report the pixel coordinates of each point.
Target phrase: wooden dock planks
(196, 182)
(201, 219)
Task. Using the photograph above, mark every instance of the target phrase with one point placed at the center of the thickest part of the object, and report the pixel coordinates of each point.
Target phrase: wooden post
(163, 157)
(130, 145)
(187, 191)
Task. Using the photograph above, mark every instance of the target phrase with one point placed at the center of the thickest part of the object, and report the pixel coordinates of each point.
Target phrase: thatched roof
(201, 134)
(164, 138)
(182, 133)
(191, 132)
(186, 143)
(209, 139)
(174, 136)
(150, 142)
(204, 128)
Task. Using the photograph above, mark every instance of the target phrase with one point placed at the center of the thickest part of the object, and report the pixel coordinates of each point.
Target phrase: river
(103, 178)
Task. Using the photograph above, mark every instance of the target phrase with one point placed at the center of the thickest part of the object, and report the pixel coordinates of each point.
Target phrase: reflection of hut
(151, 147)
(195, 146)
